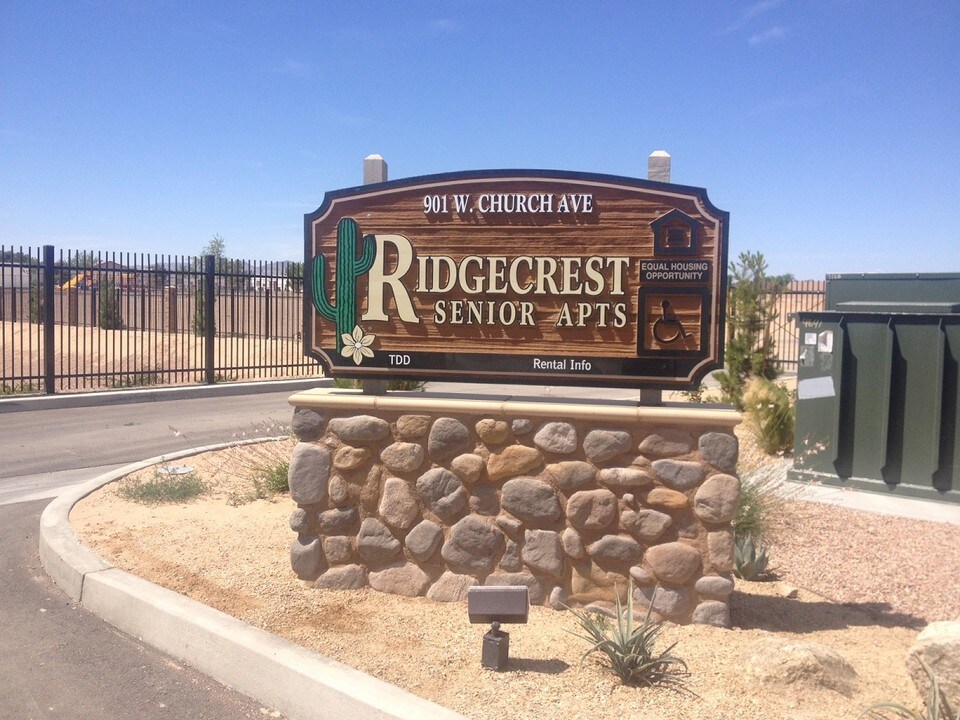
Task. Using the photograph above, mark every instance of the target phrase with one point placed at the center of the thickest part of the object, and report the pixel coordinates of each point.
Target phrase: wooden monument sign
(548, 278)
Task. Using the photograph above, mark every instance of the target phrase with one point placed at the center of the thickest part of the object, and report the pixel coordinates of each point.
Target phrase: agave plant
(629, 648)
(937, 707)
(750, 557)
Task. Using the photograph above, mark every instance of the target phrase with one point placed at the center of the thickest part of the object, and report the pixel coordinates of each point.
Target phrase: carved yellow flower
(356, 345)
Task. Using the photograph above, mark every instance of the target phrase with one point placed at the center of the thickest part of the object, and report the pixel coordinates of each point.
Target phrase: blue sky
(830, 131)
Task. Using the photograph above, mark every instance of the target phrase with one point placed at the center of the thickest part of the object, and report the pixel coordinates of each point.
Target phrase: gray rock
(308, 473)
(673, 562)
(667, 441)
(422, 542)
(679, 474)
(510, 526)
(300, 521)
(572, 544)
(512, 461)
(350, 458)
(558, 598)
(715, 587)
(359, 428)
(485, 500)
(521, 426)
(615, 549)
(443, 493)
(468, 467)
(398, 505)
(536, 591)
(624, 477)
(641, 576)
(448, 437)
(472, 546)
(338, 489)
(645, 525)
(337, 549)
(403, 457)
(777, 663)
(716, 500)
(720, 450)
(571, 474)
(308, 425)
(375, 543)
(532, 501)
(938, 645)
(492, 432)
(603, 445)
(712, 612)
(338, 521)
(670, 602)
(543, 552)
(451, 587)
(345, 577)
(400, 578)
(306, 556)
(557, 437)
(592, 509)
(511, 557)
(410, 427)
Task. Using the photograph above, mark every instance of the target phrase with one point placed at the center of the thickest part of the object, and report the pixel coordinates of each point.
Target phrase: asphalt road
(43, 451)
(56, 659)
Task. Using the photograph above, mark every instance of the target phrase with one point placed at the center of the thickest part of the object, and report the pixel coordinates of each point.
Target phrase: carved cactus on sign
(351, 264)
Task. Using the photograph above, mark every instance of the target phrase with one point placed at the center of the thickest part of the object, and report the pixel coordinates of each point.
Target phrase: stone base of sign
(430, 494)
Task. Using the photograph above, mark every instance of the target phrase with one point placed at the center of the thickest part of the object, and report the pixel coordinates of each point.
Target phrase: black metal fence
(84, 321)
(799, 296)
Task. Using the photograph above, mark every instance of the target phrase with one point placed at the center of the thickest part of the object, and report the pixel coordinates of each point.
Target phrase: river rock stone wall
(433, 503)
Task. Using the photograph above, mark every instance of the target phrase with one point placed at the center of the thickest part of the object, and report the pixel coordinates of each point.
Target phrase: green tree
(295, 275)
(108, 313)
(752, 300)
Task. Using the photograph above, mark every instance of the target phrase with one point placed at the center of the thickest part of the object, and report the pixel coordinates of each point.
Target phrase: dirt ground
(858, 595)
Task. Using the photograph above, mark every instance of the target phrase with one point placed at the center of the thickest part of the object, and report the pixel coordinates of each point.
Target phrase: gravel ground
(867, 585)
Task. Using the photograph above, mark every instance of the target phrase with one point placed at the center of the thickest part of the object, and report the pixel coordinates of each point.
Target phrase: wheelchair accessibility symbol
(667, 329)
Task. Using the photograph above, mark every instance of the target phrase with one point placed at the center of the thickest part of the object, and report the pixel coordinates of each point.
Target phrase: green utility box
(877, 390)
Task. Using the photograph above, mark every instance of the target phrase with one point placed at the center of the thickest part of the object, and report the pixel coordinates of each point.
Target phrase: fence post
(658, 170)
(209, 319)
(374, 171)
(171, 308)
(49, 316)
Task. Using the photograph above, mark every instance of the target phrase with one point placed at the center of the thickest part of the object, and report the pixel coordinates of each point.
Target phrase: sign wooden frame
(517, 276)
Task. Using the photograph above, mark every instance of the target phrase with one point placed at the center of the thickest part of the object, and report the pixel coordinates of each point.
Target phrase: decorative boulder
(530, 500)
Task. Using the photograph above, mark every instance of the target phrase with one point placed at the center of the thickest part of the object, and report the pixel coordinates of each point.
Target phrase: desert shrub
(936, 706)
(629, 648)
(751, 310)
(108, 311)
(349, 384)
(750, 557)
(166, 486)
(770, 413)
(271, 480)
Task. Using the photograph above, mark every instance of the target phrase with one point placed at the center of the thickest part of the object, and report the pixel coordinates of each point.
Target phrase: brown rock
(716, 500)
(492, 432)
(666, 498)
(673, 562)
(513, 461)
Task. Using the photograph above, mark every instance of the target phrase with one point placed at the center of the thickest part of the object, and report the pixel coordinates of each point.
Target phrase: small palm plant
(629, 648)
(937, 707)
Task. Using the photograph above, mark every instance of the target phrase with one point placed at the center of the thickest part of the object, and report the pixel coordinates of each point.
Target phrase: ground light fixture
(496, 605)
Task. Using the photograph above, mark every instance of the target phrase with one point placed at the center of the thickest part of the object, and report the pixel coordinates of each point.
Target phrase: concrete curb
(104, 398)
(300, 683)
